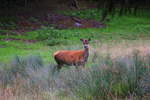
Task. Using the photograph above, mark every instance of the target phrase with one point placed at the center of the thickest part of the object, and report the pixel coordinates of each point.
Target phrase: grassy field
(127, 27)
(110, 77)
(117, 69)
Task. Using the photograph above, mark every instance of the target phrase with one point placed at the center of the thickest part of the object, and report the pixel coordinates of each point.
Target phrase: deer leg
(83, 65)
(59, 66)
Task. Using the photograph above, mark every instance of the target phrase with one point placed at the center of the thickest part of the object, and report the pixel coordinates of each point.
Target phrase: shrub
(50, 35)
(20, 66)
(47, 33)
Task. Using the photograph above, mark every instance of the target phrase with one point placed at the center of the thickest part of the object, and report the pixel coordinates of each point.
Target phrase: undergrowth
(127, 27)
(122, 78)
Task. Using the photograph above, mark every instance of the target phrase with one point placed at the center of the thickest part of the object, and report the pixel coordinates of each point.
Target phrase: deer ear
(81, 39)
(89, 39)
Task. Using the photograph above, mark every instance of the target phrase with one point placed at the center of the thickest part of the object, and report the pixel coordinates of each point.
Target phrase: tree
(124, 6)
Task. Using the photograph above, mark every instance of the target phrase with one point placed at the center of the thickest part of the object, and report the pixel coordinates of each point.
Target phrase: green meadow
(49, 39)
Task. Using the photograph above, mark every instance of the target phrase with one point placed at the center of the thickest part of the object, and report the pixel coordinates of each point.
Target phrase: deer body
(72, 57)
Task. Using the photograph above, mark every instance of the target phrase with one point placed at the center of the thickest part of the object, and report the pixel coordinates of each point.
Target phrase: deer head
(85, 42)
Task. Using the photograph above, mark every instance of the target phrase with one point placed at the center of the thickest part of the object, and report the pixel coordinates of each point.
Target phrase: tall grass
(109, 79)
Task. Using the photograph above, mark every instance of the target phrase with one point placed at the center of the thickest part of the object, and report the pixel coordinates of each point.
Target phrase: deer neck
(86, 54)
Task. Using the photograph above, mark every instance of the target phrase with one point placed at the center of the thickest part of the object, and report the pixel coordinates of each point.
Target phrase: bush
(50, 35)
(47, 33)
(52, 42)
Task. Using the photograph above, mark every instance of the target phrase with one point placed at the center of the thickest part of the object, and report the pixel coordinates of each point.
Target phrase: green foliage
(88, 13)
(55, 37)
(52, 42)
(126, 27)
(49, 34)
(8, 22)
(4, 32)
(120, 89)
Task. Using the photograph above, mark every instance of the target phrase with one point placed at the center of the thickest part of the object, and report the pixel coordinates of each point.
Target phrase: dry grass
(39, 83)
(19, 91)
(121, 49)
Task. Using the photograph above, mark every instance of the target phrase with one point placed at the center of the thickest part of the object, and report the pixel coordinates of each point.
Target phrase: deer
(73, 57)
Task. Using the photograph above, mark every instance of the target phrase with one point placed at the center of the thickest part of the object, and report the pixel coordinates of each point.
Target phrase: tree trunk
(25, 3)
(74, 3)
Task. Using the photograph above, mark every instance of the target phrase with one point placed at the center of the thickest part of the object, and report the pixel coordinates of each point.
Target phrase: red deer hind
(73, 57)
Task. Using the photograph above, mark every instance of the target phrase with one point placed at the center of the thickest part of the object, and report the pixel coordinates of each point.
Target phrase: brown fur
(72, 57)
